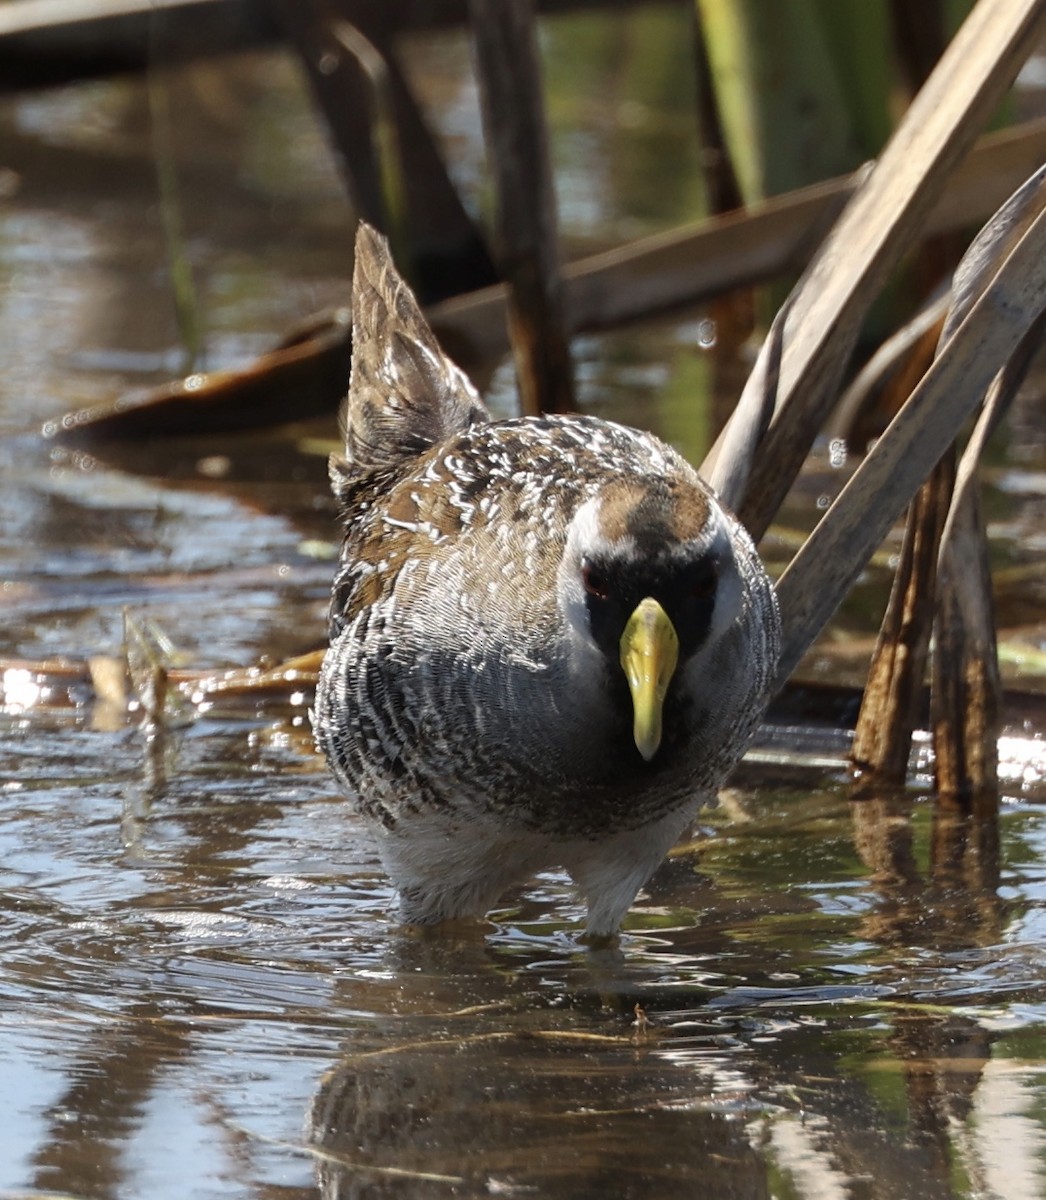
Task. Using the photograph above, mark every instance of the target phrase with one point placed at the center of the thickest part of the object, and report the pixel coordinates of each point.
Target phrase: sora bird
(549, 641)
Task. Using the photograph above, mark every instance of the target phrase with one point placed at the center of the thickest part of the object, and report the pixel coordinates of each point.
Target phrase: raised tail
(405, 394)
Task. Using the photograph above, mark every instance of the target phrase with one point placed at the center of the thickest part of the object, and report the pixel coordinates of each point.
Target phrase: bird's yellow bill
(649, 654)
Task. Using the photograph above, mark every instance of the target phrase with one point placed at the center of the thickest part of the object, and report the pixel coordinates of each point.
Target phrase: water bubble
(214, 466)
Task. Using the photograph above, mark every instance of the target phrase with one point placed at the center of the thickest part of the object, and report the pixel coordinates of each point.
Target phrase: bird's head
(649, 580)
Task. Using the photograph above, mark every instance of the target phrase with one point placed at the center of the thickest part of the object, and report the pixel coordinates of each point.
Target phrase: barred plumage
(480, 700)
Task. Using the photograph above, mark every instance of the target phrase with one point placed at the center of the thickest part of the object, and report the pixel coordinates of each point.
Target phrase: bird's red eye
(706, 580)
(595, 582)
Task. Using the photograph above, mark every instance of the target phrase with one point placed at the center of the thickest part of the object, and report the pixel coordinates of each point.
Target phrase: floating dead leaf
(109, 679)
(295, 676)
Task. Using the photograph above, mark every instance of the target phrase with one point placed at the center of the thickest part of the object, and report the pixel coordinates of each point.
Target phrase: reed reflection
(950, 904)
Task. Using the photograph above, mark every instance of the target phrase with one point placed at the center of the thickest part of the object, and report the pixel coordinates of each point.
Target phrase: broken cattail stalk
(965, 679)
(505, 42)
(888, 377)
(831, 558)
(966, 687)
(875, 231)
(966, 702)
(883, 736)
(966, 690)
(652, 275)
(392, 168)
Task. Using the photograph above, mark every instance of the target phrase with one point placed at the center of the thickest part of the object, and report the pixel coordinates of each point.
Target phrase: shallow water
(203, 994)
(202, 990)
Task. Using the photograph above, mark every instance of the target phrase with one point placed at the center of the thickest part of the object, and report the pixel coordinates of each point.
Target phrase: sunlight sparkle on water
(21, 690)
(1022, 760)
